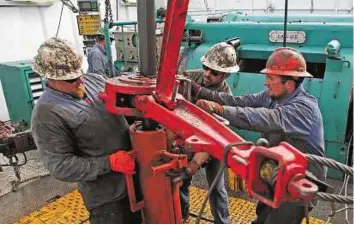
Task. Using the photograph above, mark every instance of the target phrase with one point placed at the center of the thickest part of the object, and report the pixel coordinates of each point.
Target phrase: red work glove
(210, 107)
(122, 162)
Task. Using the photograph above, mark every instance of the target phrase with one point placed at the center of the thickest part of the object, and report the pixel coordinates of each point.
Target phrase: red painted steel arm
(199, 130)
(172, 37)
(202, 132)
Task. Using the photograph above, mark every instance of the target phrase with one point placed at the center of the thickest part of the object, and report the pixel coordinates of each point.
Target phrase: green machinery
(22, 88)
(325, 41)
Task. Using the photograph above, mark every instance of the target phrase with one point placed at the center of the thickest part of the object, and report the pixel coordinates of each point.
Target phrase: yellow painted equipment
(70, 210)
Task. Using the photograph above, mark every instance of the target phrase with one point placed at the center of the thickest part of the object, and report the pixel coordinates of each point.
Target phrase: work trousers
(288, 213)
(218, 198)
(117, 212)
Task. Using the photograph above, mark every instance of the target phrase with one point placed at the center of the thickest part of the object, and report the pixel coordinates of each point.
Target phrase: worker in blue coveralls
(97, 58)
(218, 63)
(79, 141)
(283, 112)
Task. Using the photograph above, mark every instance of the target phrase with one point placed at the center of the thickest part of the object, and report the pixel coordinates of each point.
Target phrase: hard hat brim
(286, 73)
(68, 76)
(233, 69)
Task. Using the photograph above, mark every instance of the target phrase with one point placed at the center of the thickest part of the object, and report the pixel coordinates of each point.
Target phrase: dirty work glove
(122, 162)
(185, 173)
(210, 107)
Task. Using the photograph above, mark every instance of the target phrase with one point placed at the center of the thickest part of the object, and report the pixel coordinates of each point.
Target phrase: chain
(108, 12)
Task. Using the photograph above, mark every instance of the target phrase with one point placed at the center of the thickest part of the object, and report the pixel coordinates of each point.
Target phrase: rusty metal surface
(5, 130)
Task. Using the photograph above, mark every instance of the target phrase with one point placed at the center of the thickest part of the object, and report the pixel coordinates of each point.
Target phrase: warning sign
(88, 24)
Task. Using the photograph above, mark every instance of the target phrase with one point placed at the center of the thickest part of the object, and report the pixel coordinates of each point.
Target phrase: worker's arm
(59, 154)
(248, 100)
(200, 157)
(295, 118)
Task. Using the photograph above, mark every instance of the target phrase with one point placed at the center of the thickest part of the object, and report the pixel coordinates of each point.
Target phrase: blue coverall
(296, 119)
(98, 62)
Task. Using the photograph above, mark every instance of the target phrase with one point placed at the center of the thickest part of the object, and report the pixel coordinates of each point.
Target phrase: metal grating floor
(70, 209)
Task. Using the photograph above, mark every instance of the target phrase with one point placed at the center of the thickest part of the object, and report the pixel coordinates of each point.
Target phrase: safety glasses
(213, 72)
(73, 80)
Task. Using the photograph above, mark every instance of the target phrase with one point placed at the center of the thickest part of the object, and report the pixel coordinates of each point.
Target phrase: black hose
(219, 174)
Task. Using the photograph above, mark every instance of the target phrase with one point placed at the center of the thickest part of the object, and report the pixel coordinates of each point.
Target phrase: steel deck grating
(70, 209)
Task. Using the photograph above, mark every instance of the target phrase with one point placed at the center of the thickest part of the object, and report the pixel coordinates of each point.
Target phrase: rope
(330, 163)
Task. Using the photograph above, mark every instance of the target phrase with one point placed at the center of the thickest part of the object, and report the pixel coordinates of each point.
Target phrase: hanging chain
(108, 12)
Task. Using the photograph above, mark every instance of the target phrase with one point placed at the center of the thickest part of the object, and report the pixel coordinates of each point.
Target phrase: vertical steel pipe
(147, 37)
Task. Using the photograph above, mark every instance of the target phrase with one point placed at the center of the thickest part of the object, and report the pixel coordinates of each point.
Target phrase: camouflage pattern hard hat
(221, 57)
(57, 59)
(285, 61)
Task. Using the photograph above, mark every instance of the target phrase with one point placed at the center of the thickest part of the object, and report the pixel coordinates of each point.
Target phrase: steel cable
(334, 198)
(218, 175)
(330, 163)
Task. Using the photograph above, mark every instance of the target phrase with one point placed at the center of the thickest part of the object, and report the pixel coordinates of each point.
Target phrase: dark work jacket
(76, 137)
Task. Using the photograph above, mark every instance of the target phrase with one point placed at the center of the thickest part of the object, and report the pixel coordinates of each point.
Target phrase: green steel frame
(333, 81)
(332, 88)
(21, 87)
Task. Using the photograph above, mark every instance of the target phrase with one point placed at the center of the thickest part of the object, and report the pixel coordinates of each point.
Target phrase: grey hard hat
(221, 57)
(57, 59)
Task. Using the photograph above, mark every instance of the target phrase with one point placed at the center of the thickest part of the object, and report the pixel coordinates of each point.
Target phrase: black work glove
(181, 174)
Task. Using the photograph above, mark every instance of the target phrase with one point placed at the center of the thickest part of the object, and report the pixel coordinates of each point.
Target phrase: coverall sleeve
(202, 157)
(293, 119)
(98, 64)
(249, 100)
(60, 156)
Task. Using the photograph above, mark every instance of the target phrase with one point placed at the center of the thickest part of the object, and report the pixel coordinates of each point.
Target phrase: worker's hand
(210, 107)
(122, 162)
(185, 173)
